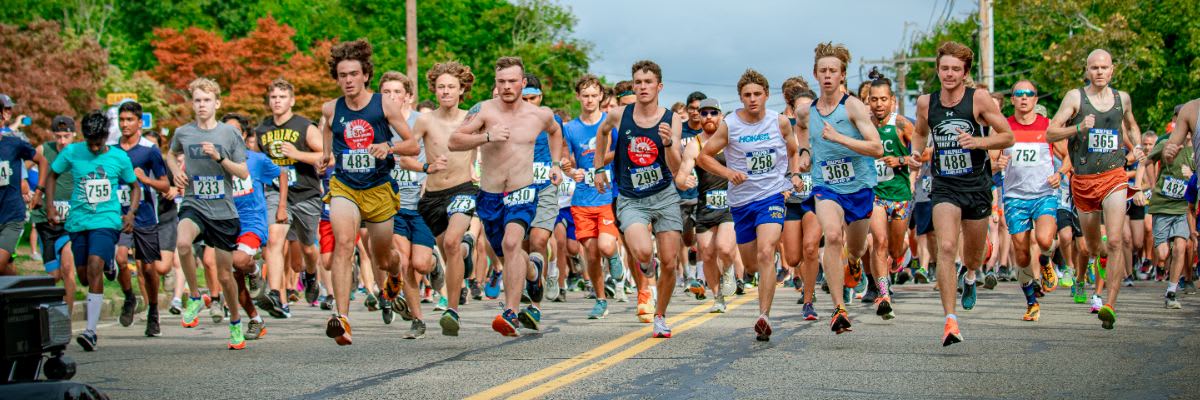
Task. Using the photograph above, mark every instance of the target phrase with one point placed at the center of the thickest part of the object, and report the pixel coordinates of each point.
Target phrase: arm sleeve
(269, 170)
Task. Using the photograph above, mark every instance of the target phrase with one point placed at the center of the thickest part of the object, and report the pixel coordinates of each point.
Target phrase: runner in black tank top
(714, 220)
(961, 192)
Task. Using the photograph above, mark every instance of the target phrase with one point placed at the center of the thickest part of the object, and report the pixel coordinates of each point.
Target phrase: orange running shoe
(841, 321)
(951, 334)
(1033, 312)
(645, 307)
(506, 324)
(338, 328)
(853, 273)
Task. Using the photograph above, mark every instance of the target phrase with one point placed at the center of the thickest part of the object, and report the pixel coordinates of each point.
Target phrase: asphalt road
(1153, 353)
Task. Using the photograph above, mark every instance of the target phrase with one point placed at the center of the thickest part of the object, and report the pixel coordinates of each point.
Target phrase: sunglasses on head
(709, 113)
(1024, 93)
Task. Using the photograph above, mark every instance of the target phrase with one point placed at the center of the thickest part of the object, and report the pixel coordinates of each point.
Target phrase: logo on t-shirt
(642, 151)
(359, 134)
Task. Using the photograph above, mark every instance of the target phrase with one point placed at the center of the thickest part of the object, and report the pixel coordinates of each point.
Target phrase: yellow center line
(612, 360)
(567, 364)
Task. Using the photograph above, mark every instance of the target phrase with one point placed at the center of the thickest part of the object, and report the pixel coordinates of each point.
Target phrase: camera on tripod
(35, 328)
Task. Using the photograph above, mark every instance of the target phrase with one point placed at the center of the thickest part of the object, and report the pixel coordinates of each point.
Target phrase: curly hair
(357, 50)
(956, 50)
(752, 77)
(454, 69)
(649, 66)
(828, 49)
(95, 126)
(586, 81)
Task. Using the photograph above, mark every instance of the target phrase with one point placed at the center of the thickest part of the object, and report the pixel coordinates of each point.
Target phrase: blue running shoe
(600, 310)
(449, 323)
(534, 287)
(531, 318)
(506, 323)
(809, 313)
(969, 296)
(491, 288)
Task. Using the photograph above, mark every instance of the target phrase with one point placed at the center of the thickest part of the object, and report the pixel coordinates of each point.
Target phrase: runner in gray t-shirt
(213, 154)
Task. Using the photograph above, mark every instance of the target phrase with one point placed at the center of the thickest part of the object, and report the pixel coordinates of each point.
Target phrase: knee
(835, 239)
(947, 246)
(607, 247)
(510, 244)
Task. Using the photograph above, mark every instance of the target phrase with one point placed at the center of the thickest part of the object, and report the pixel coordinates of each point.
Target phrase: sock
(94, 301)
(1030, 298)
(1172, 286)
(235, 322)
(969, 281)
(952, 316)
(553, 267)
(883, 286)
(257, 318)
(194, 298)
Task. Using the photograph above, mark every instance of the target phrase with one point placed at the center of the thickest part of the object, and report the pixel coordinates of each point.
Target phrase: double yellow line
(680, 321)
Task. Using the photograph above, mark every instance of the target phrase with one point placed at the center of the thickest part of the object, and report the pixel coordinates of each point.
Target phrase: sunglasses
(709, 113)
(1024, 93)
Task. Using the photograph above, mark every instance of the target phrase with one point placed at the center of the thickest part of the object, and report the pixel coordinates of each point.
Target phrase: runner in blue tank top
(358, 148)
(801, 230)
(961, 189)
(505, 130)
(644, 166)
(757, 156)
(844, 146)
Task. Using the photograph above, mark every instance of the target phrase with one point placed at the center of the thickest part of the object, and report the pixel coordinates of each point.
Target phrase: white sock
(257, 318)
(1172, 286)
(94, 301)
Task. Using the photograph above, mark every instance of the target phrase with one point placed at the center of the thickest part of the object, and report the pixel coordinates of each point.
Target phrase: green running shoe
(1079, 293)
(191, 314)
(1108, 316)
(237, 340)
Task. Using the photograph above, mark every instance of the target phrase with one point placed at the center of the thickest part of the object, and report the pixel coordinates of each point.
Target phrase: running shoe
(719, 306)
(551, 287)
(847, 294)
(392, 288)
(207, 300)
(1033, 312)
(1097, 303)
(1003, 273)
(728, 283)
(386, 312)
(338, 328)
(1049, 279)
(854, 273)
(661, 330)
(311, 289)
(969, 296)
(697, 289)
(872, 293)
(176, 306)
(740, 287)
(152, 325)
(762, 329)
(903, 276)
(274, 305)
(191, 314)
(87, 340)
(442, 304)
(217, 311)
(1171, 302)
(920, 275)
(237, 339)
(127, 310)
(615, 269)
(535, 287)
(416, 330)
(950, 334)
(562, 296)
(1189, 287)
(645, 307)
(491, 288)
(449, 323)
(294, 296)
(840, 323)
(1079, 293)
(1108, 316)
(255, 330)
(990, 281)
(1128, 281)
(110, 270)
(326, 302)
(506, 323)
(371, 302)
(809, 313)
(530, 318)
(883, 308)
(600, 310)
(1066, 279)
(476, 291)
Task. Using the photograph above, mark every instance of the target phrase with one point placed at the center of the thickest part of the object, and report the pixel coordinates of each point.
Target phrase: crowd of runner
(403, 206)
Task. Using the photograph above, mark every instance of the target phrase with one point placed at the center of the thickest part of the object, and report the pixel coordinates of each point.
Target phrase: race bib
(837, 171)
(291, 175)
(1173, 187)
(403, 177)
(883, 172)
(761, 162)
(62, 207)
(589, 177)
(541, 173)
(208, 187)
(123, 195)
(519, 197)
(97, 190)
(357, 161)
(5, 173)
(1023, 155)
(927, 184)
(242, 187)
(716, 200)
(461, 204)
(806, 186)
(645, 177)
(566, 188)
(1102, 140)
(954, 162)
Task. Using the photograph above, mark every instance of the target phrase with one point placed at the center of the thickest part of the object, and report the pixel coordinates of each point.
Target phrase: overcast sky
(705, 45)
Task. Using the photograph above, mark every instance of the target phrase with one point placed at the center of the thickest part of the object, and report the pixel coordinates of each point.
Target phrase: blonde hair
(828, 49)
(205, 84)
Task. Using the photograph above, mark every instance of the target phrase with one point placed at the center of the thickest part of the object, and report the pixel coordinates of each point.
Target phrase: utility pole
(410, 42)
(986, 55)
(901, 66)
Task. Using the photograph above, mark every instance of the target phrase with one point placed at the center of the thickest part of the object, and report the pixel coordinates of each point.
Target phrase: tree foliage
(1155, 47)
(48, 74)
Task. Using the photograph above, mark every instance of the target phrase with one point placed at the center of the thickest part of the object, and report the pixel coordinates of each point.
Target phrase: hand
(797, 184)
(1137, 155)
(1054, 180)
(689, 182)
(804, 162)
(1187, 172)
(379, 150)
(20, 121)
(735, 178)
(141, 175)
(210, 150)
(500, 134)
(438, 165)
(566, 164)
(578, 174)
(1139, 198)
(127, 223)
(1002, 161)
(181, 181)
(325, 162)
(1170, 151)
(52, 215)
(967, 141)
(892, 162)
(555, 175)
(830, 134)
(601, 182)
(664, 132)
(913, 162)
(36, 199)
(171, 194)
(281, 215)
(288, 149)
(1089, 121)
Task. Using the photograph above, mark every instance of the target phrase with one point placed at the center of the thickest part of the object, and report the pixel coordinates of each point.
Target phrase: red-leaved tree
(47, 74)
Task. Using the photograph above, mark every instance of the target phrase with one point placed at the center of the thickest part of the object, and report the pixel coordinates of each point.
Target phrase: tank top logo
(642, 151)
(946, 132)
(359, 134)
